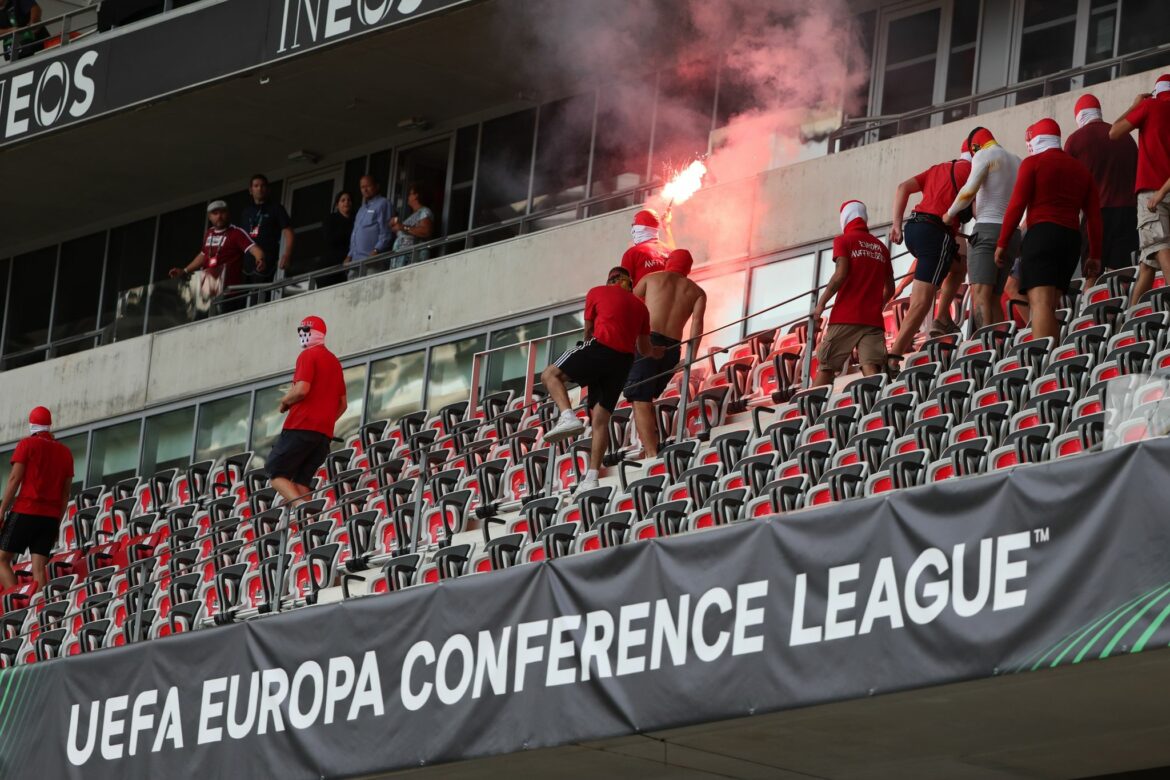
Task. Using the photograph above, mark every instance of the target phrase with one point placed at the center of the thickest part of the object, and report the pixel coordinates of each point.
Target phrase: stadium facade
(119, 138)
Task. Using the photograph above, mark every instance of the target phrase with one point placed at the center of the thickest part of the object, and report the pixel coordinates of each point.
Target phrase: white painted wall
(773, 211)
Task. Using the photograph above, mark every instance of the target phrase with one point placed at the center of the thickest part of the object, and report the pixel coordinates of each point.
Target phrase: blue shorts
(934, 249)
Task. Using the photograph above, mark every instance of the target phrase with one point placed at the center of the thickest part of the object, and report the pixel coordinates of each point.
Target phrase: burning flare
(684, 183)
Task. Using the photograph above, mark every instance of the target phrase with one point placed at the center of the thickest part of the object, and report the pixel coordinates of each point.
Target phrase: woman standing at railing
(417, 228)
(338, 229)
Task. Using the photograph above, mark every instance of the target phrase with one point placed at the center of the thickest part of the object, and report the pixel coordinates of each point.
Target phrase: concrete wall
(774, 211)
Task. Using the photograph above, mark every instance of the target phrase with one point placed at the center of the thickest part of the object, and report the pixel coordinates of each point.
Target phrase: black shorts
(1119, 237)
(599, 368)
(34, 533)
(1049, 256)
(933, 248)
(297, 455)
(649, 377)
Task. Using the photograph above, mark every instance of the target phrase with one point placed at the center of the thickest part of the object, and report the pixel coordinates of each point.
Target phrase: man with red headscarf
(648, 254)
(42, 470)
(314, 404)
(1114, 166)
(993, 174)
(672, 299)
(1150, 114)
(1056, 190)
(863, 281)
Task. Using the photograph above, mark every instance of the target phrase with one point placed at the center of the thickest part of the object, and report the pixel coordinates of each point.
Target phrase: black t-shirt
(264, 224)
(15, 13)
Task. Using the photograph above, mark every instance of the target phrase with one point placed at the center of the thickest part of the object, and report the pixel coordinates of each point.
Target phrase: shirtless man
(672, 299)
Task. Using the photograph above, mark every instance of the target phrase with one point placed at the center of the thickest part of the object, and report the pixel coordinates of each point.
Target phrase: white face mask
(37, 428)
(303, 335)
(643, 233)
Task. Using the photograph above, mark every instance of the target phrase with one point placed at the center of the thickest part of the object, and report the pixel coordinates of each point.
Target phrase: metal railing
(869, 129)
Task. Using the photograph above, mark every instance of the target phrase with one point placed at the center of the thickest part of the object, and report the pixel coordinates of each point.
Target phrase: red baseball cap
(40, 416)
(313, 323)
(1086, 101)
(646, 218)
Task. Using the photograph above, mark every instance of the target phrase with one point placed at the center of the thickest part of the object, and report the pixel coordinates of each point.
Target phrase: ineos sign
(311, 22)
(39, 98)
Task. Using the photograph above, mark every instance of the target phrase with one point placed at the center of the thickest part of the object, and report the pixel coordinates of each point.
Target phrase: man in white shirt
(993, 175)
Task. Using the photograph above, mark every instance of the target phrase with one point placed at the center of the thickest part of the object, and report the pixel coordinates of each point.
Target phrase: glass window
(573, 324)
(866, 26)
(77, 444)
(396, 386)
(1046, 45)
(167, 441)
(267, 420)
(462, 180)
(622, 147)
(380, 170)
(114, 453)
(778, 282)
(686, 104)
(562, 152)
(911, 55)
(180, 235)
(961, 62)
(5, 468)
(355, 395)
(504, 161)
(1144, 24)
(724, 304)
(80, 282)
(127, 275)
(4, 266)
(32, 277)
(450, 371)
(351, 180)
(223, 427)
(506, 370)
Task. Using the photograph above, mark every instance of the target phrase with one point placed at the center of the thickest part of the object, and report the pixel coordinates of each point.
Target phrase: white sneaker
(567, 427)
(586, 484)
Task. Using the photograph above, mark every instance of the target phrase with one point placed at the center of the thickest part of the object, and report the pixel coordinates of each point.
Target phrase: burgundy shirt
(1112, 163)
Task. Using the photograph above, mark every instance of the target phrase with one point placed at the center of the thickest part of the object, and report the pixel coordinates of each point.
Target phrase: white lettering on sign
(310, 22)
(38, 98)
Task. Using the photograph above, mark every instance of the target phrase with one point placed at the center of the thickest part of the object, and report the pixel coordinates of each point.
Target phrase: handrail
(859, 127)
(68, 27)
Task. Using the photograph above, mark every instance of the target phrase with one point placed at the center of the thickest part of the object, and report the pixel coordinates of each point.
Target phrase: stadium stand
(464, 490)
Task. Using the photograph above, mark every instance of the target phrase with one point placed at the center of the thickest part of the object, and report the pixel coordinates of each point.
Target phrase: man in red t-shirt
(1055, 190)
(222, 256)
(42, 470)
(1114, 166)
(649, 253)
(1150, 114)
(863, 281)
(616, 322)
(932, 242)
(314, 403)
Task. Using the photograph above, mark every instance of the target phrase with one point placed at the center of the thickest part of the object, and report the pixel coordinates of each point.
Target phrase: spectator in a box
(993, 174)
(1150, 115)
(1113, 165)
(267, 224)
(933, 241)
(338, 231)
(862, 282)
(616, 324)
(1056, 190)
(17, 14)
(222, 258)
(417, 228)
(652, 244)
(37, 492)
(371, 230)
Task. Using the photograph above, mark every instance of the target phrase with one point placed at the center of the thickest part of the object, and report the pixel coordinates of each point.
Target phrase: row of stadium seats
(462, 491)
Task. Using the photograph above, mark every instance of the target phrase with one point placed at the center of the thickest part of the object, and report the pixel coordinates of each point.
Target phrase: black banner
(178, 51)
(1041, 566)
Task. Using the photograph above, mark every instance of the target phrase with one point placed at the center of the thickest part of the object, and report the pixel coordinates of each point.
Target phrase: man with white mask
(649, 252)
(314, 403)
(1114, 168)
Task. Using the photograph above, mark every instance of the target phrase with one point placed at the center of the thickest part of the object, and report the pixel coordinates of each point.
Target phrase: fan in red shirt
(222, 256)
(932, 242)
(649, 253)
(42, 470)
(1150, 115)
(863, 281)
(1113, 165)
(314, 403)
(616, 322)
(1055, 190)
